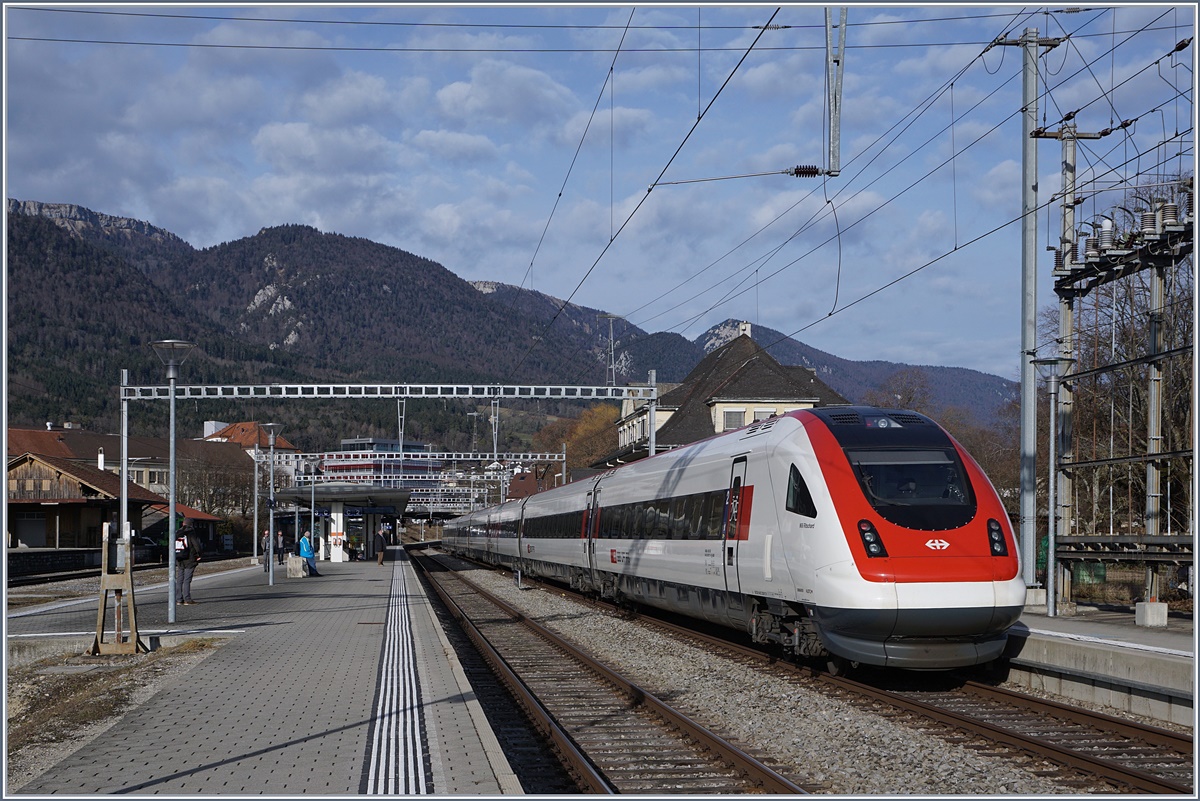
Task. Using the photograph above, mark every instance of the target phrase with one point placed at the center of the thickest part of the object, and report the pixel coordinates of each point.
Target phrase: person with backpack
(187, 556)
(307, 553)
(266, 544)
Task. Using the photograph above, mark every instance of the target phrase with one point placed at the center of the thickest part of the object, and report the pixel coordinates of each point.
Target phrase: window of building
(762, 414)
(734, 418)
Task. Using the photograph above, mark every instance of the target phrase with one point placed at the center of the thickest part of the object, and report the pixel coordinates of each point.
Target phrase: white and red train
(862, 534)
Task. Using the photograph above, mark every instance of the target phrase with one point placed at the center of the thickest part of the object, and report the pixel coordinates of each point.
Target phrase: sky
(632, 159)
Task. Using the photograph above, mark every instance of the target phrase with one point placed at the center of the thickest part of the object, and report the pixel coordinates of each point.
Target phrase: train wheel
(839, 665)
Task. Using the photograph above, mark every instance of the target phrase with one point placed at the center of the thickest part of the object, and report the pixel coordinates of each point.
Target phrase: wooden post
(117, 578)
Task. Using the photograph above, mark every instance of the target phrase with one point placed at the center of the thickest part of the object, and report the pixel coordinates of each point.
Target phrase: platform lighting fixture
(272, 430)
(313, 464)
(173, 353)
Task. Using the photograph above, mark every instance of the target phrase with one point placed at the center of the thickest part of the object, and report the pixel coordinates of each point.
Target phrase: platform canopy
(364, 495)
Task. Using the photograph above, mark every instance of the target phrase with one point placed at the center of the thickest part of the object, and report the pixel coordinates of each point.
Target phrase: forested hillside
(88, 293)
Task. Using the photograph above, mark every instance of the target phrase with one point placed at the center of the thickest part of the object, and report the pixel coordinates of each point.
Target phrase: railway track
(1086, 745)
(1128, 754)
(1088, 748)
(613, 736)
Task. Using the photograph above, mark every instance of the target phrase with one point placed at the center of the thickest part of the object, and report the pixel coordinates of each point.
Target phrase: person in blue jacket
(306, 553)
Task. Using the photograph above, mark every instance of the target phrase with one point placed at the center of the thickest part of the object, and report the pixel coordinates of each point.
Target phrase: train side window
(712, 514)
(662, 519)
(799, 499)
(610, 525)
(678, 522)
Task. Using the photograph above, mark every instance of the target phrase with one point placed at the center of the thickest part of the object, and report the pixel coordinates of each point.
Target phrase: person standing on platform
(187, 556)
(279, 552)
(380, 544)
(306, 553)
(266, 545)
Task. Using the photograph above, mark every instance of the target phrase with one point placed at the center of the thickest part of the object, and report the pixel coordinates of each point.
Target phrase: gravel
(822, 739)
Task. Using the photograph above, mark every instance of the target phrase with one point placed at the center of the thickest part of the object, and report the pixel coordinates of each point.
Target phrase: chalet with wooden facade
(56, 503)
(735, 385)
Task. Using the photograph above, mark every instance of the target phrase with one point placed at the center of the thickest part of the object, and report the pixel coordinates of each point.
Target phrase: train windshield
(925, 489)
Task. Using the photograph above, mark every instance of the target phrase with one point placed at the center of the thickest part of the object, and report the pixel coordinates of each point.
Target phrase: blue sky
(520, 144)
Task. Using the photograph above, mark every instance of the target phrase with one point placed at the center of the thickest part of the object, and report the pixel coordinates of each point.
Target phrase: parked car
(146, 550)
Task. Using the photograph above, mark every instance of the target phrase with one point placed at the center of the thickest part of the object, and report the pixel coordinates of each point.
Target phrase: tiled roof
(740, 370)
(247, 433)
(84, 447)
(184, 510)
(102, 480)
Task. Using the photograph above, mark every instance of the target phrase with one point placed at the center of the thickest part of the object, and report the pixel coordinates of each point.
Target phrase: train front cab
(934, 580)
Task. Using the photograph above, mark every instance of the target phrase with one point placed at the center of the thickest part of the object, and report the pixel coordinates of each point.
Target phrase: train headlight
(870, 539)
(996, 538)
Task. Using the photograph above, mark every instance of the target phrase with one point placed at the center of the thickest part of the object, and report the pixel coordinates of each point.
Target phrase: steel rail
(765, 777)
(772, 782)
(579, 764)
(1180, 743)
(1131, 777)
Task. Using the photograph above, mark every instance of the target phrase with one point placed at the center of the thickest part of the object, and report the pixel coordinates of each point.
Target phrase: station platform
(1100, 655)
(342, 684)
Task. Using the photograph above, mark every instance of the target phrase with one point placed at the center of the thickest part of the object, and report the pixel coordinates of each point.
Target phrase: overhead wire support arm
(835, 62)
(379, 391)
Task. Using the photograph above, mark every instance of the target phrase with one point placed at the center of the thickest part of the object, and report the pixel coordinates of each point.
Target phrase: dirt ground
(58, 704)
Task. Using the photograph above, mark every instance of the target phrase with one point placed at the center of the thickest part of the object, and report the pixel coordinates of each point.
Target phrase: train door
(591, 520)
(493, 524)
(735, 513)
(588, 556)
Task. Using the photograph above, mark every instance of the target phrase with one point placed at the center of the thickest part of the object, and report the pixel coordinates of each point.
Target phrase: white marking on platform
(397, 763)
(1103, 641)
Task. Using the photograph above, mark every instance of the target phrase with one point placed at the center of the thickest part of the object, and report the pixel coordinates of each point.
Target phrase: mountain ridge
(292, 300)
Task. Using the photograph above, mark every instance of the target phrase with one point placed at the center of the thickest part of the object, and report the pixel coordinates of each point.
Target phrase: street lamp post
(1052, 367)
(314, 465)
(172, 352)
(255, 531)
(272, 432)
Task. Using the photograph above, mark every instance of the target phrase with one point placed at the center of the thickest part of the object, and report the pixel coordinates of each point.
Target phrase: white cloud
(455, 147)
(301, 147)
(999, 190)
(505, 94)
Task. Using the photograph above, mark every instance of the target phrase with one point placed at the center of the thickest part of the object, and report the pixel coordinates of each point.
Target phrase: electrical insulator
(1149, 223)
(1170, 214)
(1092, 248)
(804, 171)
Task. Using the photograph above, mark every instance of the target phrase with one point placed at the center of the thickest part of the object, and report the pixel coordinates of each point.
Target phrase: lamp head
(273, 430)
(172, 352)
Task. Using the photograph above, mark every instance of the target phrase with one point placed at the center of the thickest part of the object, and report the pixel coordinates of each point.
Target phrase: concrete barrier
(296, 567)
(1139, 681)
(27, 650)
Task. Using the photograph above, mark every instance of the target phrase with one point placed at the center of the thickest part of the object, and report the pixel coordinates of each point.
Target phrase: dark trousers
(183, 580)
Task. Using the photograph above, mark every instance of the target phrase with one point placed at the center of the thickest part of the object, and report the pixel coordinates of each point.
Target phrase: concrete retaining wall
(1139, 681)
